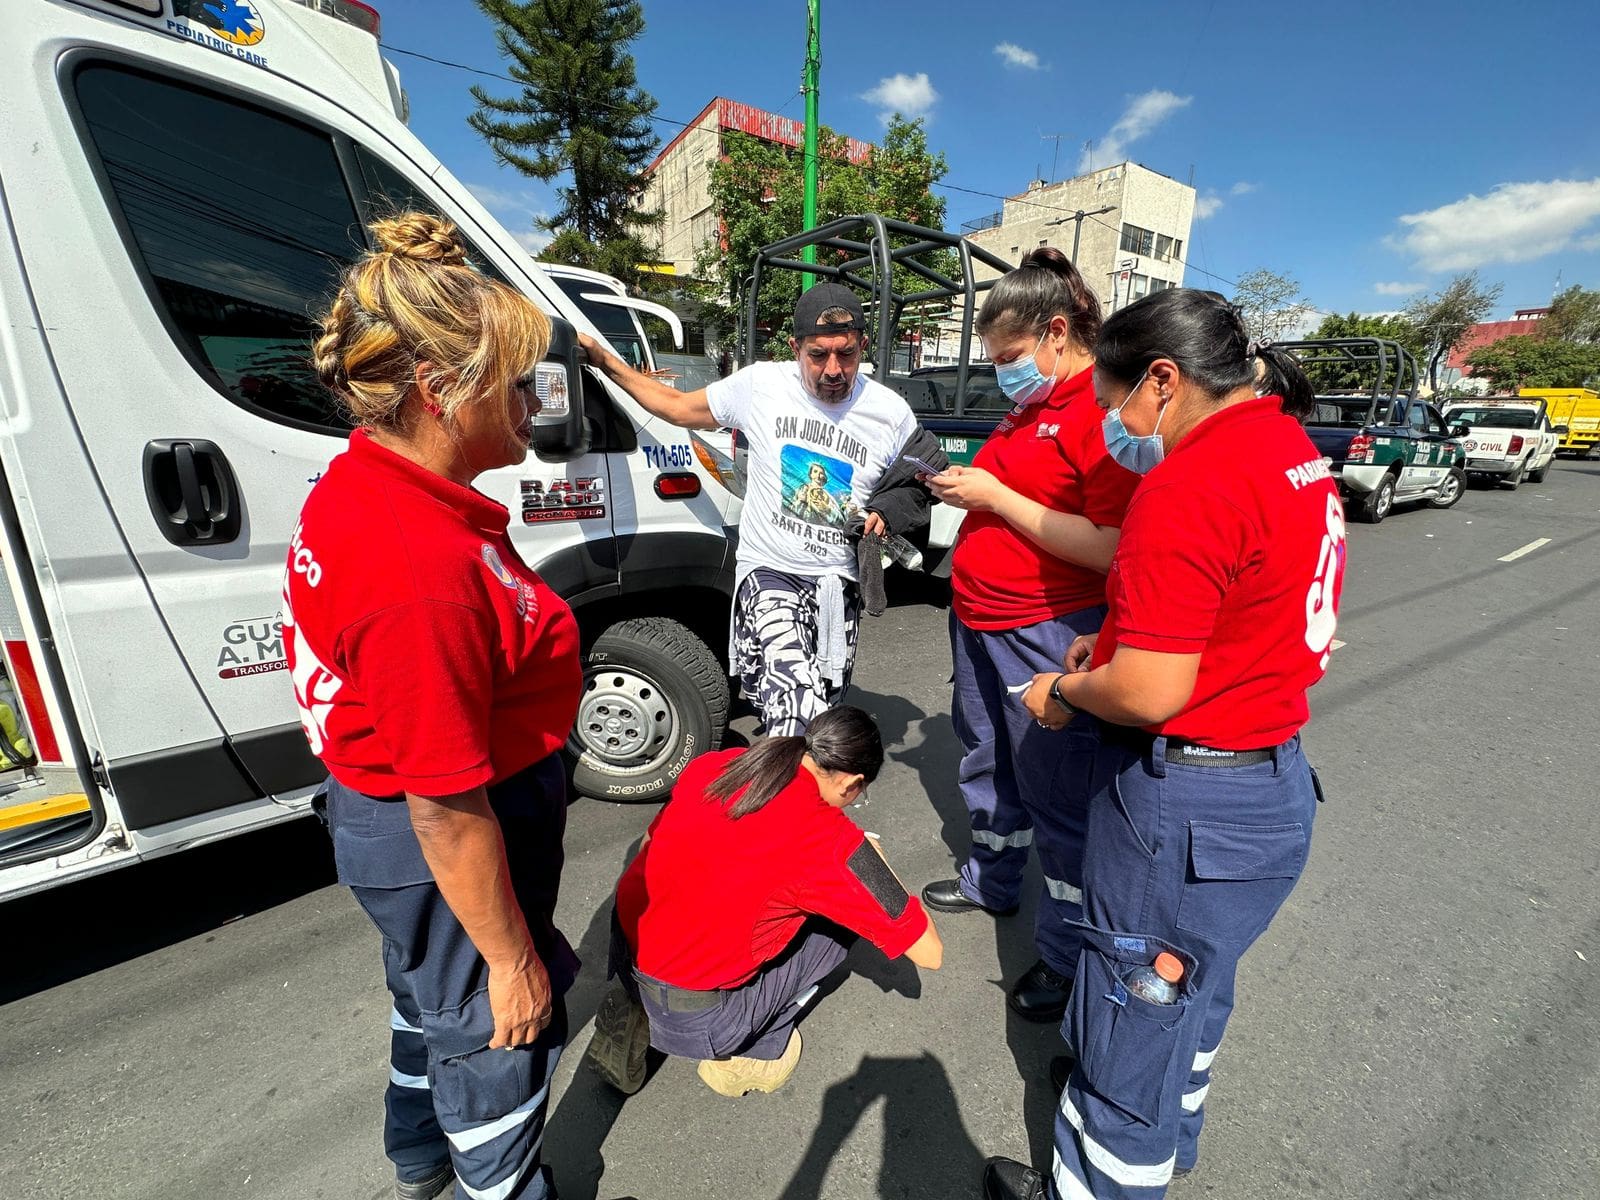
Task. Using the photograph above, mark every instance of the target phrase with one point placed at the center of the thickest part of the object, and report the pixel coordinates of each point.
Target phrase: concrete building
(1136, 248)
(678, 182)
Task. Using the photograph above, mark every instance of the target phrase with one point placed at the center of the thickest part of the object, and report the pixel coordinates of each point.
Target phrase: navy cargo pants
(1195, 860)
(450, 1096)
(1023, 785)
(753, 1020)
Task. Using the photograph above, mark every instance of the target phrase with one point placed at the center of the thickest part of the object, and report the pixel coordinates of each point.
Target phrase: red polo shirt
(710, 899)
(1234, 549)
(426, 657)
(1052, 452)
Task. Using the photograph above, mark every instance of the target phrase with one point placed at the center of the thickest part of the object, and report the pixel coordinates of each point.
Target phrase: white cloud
(1515, 222)
(1143, 114)
(911, 96)
(1017, 56)
(1396, 288)
(1206, 206)
(517, 208)
(1243, 188)
(532, 240)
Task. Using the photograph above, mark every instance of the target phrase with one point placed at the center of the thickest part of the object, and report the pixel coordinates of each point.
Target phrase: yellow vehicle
(1575, 414)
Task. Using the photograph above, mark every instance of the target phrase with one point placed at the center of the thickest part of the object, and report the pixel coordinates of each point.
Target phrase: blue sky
(1368, 150)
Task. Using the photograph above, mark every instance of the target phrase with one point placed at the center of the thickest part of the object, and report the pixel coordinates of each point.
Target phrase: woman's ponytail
(844, 739)
(1281, 375)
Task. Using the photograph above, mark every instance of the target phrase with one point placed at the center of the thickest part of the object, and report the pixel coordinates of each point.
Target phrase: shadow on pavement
(927, 1149)
(63, 934)
(588, 1109)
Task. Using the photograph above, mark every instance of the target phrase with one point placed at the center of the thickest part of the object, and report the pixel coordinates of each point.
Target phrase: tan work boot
(621, 1038)
(736, 1076)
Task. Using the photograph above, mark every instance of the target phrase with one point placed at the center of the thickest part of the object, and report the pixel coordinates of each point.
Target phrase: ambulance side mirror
(560, 431)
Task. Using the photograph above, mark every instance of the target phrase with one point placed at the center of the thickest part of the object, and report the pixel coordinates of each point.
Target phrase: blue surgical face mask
(1022, 381)
(1138, 454)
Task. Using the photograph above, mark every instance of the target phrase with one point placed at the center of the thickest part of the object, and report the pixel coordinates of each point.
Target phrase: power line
(949, 187)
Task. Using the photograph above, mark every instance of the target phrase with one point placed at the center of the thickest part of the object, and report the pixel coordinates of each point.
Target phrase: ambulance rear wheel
(654, 698)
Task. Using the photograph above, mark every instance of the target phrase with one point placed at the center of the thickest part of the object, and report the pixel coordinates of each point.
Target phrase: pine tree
(580, 110)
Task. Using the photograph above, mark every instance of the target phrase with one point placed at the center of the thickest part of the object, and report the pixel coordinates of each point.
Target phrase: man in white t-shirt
(821, 436)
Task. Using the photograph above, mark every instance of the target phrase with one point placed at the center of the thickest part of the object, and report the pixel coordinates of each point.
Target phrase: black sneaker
(428, 1186)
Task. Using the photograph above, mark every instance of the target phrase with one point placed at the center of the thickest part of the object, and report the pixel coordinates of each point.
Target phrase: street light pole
(813, 69)
(1077, 220)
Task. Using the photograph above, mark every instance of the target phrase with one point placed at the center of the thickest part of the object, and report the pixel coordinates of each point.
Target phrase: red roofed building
(678, 182)
(1525, 323)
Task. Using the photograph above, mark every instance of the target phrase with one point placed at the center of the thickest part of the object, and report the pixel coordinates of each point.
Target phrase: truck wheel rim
(1385, 501)
(625, 719)
(1448, 491)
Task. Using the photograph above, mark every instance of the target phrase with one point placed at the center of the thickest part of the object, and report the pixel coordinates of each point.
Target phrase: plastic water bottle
(1158, 983)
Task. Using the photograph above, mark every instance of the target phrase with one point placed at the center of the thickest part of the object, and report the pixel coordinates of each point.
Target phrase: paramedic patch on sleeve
(867, 865)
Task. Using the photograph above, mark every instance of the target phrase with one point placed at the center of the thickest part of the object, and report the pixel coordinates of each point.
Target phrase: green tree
(1271, 304)
(1523, 361)
(758, 188)
(1330, 377)
(580, 112)
(1574, 316)
(1444, 317)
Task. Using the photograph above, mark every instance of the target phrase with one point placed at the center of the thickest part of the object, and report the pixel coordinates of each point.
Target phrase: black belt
(1182, 752)
(676, 999)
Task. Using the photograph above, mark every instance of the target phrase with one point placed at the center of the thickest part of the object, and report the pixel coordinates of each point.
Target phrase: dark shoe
(1007, 1179)
(620, 1042)
(947, 896)
(1061, 1071)
(428, 1186)
(1179, 1172)
(1041, 994)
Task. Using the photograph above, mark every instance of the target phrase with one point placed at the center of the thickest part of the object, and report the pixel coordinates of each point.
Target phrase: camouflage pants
(775, 649)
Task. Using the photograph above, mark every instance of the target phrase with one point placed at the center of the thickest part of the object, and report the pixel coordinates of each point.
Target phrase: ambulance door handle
(192, 491)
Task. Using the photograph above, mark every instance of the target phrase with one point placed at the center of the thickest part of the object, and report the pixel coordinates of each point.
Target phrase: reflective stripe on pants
(1022, 785)
(1234, 842)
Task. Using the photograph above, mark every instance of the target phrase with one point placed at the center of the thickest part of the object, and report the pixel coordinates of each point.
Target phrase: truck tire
(1379, 502)
(1538, 476)
(1518, 474)
(1451, 490)
(654, 698)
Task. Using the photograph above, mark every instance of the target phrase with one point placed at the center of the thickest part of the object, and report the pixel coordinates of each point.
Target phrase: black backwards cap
(819, 299)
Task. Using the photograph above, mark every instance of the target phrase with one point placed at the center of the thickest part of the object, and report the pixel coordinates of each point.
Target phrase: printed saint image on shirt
(816, 487)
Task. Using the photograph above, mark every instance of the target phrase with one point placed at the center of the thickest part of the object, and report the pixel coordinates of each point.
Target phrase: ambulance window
(242, 220)
(389, 192)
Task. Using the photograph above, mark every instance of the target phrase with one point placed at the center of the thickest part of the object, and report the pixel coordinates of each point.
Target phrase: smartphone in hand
(926, 468)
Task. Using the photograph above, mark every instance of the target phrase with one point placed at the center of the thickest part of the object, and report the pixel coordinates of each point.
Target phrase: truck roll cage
(1393, 369)
(866, 240)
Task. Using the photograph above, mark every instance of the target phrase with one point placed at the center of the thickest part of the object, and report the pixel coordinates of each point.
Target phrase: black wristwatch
(1055, 694)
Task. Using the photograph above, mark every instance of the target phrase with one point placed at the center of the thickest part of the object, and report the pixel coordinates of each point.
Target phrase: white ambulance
(180, 182)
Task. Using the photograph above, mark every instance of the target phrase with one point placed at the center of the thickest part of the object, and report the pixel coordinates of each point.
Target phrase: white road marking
(1528, 549)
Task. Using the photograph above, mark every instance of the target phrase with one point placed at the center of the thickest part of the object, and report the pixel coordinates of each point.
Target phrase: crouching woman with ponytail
(747, 892)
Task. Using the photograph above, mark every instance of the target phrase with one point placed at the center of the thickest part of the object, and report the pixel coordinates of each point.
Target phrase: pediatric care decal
(579, 499)
(226, 26)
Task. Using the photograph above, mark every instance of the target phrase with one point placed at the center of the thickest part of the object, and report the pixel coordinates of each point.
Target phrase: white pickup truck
(1507, 439)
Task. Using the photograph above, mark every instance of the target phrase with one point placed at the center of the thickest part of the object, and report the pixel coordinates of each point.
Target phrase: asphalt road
(1419, 1021)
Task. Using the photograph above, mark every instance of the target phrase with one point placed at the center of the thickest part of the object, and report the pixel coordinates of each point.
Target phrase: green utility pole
(809, 86)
